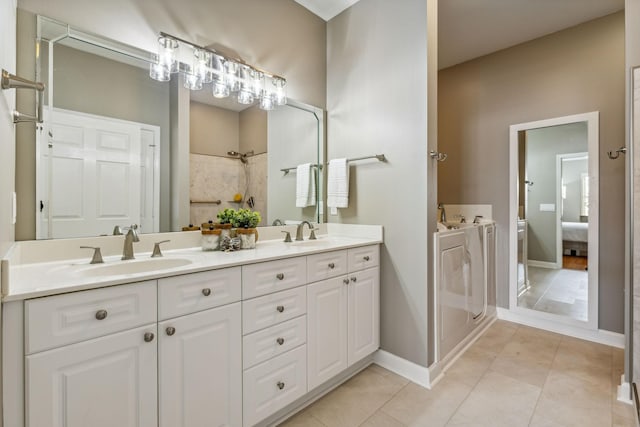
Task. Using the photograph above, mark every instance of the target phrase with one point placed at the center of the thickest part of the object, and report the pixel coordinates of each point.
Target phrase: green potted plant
(226, 218)
(245, 221)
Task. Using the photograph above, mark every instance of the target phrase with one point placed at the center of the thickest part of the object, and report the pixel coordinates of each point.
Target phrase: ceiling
(469, 29)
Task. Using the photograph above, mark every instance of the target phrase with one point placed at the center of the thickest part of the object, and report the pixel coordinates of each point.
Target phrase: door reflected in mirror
(555, 227)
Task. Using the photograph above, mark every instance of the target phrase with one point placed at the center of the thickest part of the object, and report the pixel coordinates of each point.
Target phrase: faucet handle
(156, 248)
(312, 236)
(117, 230)
(287, 238)
(97, 255)
(477, 219)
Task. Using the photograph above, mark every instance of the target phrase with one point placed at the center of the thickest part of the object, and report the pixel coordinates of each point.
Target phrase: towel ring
(612, 156)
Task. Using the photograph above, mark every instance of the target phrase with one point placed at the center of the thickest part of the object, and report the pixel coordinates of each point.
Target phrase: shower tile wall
(220, 178)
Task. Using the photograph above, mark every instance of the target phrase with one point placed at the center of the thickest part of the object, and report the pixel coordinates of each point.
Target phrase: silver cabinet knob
(353, 279)
(206, 292)
(280, 276)
(280, 308)
(366, 258)
(345, 281)
(148, 336)
(280, 385)
(332, 265)
(280, 341)
(101, 314)
(170, 330)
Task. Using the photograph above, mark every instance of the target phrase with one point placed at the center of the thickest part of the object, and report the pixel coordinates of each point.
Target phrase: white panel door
(326, 329)
(105, 382)
(200, 369)
(364, 314)
(93, 174)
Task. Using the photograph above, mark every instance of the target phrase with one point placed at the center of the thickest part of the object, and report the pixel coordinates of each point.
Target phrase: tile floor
(511, 376)
(558, 291)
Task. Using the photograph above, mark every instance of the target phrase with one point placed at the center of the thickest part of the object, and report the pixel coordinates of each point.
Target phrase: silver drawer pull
(280, 341)
(332, 265)
(280, 276)
(206, 292)
(366, 258)
(170, 330)
(345, 281)
(280, 385)
(101, 314)
(280, 308)
(148, 336)
(353, 279)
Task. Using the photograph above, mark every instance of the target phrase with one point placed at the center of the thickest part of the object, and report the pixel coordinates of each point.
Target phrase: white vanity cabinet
(343, 320)
(200, 352)
(108, 376)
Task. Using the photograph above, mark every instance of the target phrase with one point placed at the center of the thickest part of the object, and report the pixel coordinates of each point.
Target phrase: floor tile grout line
(385, 402)
(535, 408)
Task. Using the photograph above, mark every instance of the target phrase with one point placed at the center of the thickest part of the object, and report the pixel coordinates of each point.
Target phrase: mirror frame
(592, 119)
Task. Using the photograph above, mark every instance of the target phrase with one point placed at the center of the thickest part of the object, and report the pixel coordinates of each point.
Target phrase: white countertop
(37, 279)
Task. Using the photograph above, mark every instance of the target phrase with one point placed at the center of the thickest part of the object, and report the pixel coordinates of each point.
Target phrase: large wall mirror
(108, 153)
(554, 223)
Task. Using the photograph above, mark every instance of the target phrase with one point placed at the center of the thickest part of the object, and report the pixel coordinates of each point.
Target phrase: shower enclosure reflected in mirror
(554, 222)
(105, 155)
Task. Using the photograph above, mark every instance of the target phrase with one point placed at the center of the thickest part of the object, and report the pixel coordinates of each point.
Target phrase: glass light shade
(280, 93)
(231, 76)
(267, 102)
(257, 78)
(202, 65)
(159, 72)
(217, 68)
(245, 96)
(220, 90)
(192, 82)
(167, 54)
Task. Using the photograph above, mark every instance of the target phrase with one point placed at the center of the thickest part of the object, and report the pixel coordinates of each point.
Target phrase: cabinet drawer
(64, 319)
(364, 257)
(260, 313)
(326, 265)
(274, 384)
(263, 345)
(266, 277)
(186, 294)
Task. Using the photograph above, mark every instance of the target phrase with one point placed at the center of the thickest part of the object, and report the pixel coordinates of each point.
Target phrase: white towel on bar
(338, 184)
(305, 186)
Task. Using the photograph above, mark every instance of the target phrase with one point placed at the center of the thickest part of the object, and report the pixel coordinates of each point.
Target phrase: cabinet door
(364, 314)
(326, 329)
(200, 360)
(105, 382)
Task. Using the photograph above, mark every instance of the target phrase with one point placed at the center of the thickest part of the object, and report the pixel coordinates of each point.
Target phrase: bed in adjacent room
(575, 238)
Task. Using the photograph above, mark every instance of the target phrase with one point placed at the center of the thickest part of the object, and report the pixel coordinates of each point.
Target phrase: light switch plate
(333, 210)
(547, 207)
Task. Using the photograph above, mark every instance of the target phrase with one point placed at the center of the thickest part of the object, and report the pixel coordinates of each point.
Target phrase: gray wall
(253, 130)
(543, 147)
(373, 45)
(212, 130)
(573, 71)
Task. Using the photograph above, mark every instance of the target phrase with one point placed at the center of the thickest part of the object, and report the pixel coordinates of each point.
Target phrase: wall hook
(441, 157)
(612, 156)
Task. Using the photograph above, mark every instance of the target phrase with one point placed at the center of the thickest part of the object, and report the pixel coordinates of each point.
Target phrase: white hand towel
(338, 184)
(305, 186)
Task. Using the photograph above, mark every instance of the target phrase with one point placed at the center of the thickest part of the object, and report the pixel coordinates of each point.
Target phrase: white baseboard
(411, 371)
(542, 264)
(599, 336)
(624, 391)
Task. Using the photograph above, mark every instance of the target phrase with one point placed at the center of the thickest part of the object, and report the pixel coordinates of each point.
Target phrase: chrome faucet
(129, 240)
(301, 228)
(443, 214)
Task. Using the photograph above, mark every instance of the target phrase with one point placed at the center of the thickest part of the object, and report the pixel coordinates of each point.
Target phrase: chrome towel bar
(10, 81)
(380, 157)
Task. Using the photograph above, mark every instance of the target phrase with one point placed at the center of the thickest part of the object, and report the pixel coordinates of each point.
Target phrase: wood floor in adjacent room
(512, 376)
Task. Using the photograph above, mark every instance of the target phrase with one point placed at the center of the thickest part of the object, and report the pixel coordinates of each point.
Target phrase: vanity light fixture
(199, 66)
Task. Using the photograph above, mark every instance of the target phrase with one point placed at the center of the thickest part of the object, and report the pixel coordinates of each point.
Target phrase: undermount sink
(133, 267)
